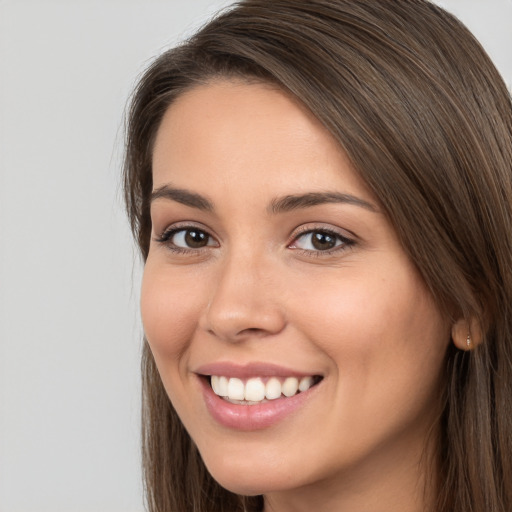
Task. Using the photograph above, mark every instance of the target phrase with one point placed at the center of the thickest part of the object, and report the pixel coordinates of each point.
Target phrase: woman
(321, 191)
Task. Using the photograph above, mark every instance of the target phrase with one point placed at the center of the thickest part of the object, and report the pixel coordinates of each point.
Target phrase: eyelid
(321, 226)
(176, 226)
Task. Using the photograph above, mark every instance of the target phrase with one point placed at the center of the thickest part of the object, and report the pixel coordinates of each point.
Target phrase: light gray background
(69, 277)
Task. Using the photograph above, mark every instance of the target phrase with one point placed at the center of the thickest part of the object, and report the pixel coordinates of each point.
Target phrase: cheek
(377, 330)
(170, 311)
(386, 344)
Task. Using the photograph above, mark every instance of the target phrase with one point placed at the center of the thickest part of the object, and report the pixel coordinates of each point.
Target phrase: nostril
(252, 331)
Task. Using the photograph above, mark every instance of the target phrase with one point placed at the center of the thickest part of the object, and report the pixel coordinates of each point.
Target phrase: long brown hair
(426, 120)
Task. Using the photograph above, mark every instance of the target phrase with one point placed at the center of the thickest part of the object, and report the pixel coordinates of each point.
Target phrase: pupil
(196, 239)
(323, 241)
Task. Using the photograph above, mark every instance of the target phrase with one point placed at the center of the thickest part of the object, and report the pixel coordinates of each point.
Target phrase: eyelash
(168, 234)
(345, 243)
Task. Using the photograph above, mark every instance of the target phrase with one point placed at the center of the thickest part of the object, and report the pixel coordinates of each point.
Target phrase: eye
(190, 238)
(320, 240)
(187, 238)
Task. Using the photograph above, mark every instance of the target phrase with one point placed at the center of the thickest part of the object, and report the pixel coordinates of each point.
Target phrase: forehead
(237, 130)
(226, 115)
(243, 147)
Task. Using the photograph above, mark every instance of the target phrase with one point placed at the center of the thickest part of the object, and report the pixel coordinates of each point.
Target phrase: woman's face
(272, 265)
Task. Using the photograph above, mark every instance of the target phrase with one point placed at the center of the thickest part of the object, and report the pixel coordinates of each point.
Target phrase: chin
(248, 481)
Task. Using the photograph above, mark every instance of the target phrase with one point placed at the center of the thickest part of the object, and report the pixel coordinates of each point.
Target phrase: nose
(244, 301)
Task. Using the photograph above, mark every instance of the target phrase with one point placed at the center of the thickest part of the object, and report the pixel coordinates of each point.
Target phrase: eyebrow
(294, 202)
(182, 196)
(278, 205)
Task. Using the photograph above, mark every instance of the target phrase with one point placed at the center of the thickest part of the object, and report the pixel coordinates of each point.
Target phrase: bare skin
(240, 273)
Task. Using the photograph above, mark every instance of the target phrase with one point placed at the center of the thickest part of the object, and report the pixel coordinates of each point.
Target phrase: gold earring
(468, 341)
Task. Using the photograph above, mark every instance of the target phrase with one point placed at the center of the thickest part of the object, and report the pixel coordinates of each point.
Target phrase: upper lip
(254, 369)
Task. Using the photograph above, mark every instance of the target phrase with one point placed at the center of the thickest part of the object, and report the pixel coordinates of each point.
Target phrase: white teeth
(215, 384)
(223, 386)
(235, 389)
(256, 391)
(290, 386)
(305, 383)
(273, 389)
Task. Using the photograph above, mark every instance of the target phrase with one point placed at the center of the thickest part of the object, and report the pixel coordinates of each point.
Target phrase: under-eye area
(257, 390)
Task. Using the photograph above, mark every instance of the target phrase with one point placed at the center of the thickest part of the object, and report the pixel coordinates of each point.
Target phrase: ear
(467, 335)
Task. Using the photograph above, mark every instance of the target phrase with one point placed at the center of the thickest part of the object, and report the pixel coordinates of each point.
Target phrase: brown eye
(196, 239)
(190, 238)
(320, 241)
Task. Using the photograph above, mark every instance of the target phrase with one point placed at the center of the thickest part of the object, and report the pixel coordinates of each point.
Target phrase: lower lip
(252, 417)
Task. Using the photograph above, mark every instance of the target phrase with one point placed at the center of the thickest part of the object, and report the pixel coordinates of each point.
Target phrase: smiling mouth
(258, 390)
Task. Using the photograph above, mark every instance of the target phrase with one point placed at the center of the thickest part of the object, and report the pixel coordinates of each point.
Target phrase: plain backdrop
(69, 275)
